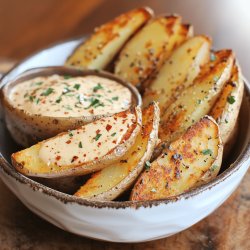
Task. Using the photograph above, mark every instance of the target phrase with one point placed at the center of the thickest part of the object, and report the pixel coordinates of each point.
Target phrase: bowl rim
(7, 168)
(66, 70)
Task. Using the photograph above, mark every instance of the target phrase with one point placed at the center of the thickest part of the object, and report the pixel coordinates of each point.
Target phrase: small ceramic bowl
(27, 129)
(122, 221)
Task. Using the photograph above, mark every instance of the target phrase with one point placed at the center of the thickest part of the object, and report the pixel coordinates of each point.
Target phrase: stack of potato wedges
(188, 122)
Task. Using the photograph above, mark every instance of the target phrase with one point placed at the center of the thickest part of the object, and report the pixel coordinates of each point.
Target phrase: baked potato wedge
(113, 180)
(227, 107)
(183, 164)
(148, 49)
(101, 47)
(83, 150)
(197, 100)
(179, 71)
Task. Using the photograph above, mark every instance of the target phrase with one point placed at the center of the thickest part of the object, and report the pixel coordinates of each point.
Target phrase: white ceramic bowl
(121, 221)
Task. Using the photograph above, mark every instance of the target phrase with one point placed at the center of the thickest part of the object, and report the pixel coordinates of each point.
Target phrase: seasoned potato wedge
(227, 107)
(179, 71)
(149, 48)
(113, 180)
(196, 101)
(100, 49)
(183, 164)
(81, 151)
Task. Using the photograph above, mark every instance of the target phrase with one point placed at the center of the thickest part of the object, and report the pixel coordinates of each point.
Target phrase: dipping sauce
(66, 96)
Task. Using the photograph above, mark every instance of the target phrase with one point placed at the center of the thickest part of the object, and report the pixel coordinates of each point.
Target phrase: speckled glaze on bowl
(122, 221)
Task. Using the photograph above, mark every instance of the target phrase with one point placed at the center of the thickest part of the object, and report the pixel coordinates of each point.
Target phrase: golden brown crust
(24, 161)
(142, 56)
(196, 101)
(101, 47)
(182, 164)
(118, 177)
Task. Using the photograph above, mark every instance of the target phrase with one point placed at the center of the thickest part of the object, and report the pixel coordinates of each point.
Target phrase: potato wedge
(113, 180)
(183, 164)
(227, 107)
(149, 48)
(81, 151)
(197, 100)
(101, 47)
(179, 71)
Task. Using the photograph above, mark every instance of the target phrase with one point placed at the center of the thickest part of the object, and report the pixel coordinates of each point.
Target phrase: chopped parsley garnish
(97, 87)
(67, 76)
(213, 168)
(207, 151)
(94, 103)
(216, 78)
(199, 101)
(69, 94)
(80, 144)
(59, 99)
(70, 133)
(67, 107)
(36, 83)
(212, 57)
(47, 92)
(97, 137)
(109, 100)
(26, 95)
(115, 98)
(113, 134)
(77, 86)
(31, 98)
(78, 105)
(37, 100)
(147, 165)
(231, 99)
(66, 90)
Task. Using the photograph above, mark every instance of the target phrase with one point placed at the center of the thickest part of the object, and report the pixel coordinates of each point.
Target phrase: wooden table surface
(27, 26)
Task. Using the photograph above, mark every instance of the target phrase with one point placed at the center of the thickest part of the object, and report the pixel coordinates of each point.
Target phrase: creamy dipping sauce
(66, 96)
(87, 143)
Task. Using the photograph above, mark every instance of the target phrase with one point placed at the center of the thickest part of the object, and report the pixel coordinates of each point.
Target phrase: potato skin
(112, 181)
(182, 164)
(227, 107)
(29, 163)
(98, 51)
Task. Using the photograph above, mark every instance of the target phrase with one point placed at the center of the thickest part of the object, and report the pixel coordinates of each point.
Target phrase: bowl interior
(8, 146)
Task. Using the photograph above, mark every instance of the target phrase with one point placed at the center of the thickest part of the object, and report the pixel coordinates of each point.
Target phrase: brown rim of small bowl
(65, 70)
(66, 198)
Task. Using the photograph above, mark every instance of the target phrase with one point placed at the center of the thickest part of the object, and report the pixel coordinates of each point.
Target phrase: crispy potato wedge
(183, 164)
(113, 180)
(81, 151)
(149, 48)
(101, 47)
(227, 107)
(197, 100)
(179, 71)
